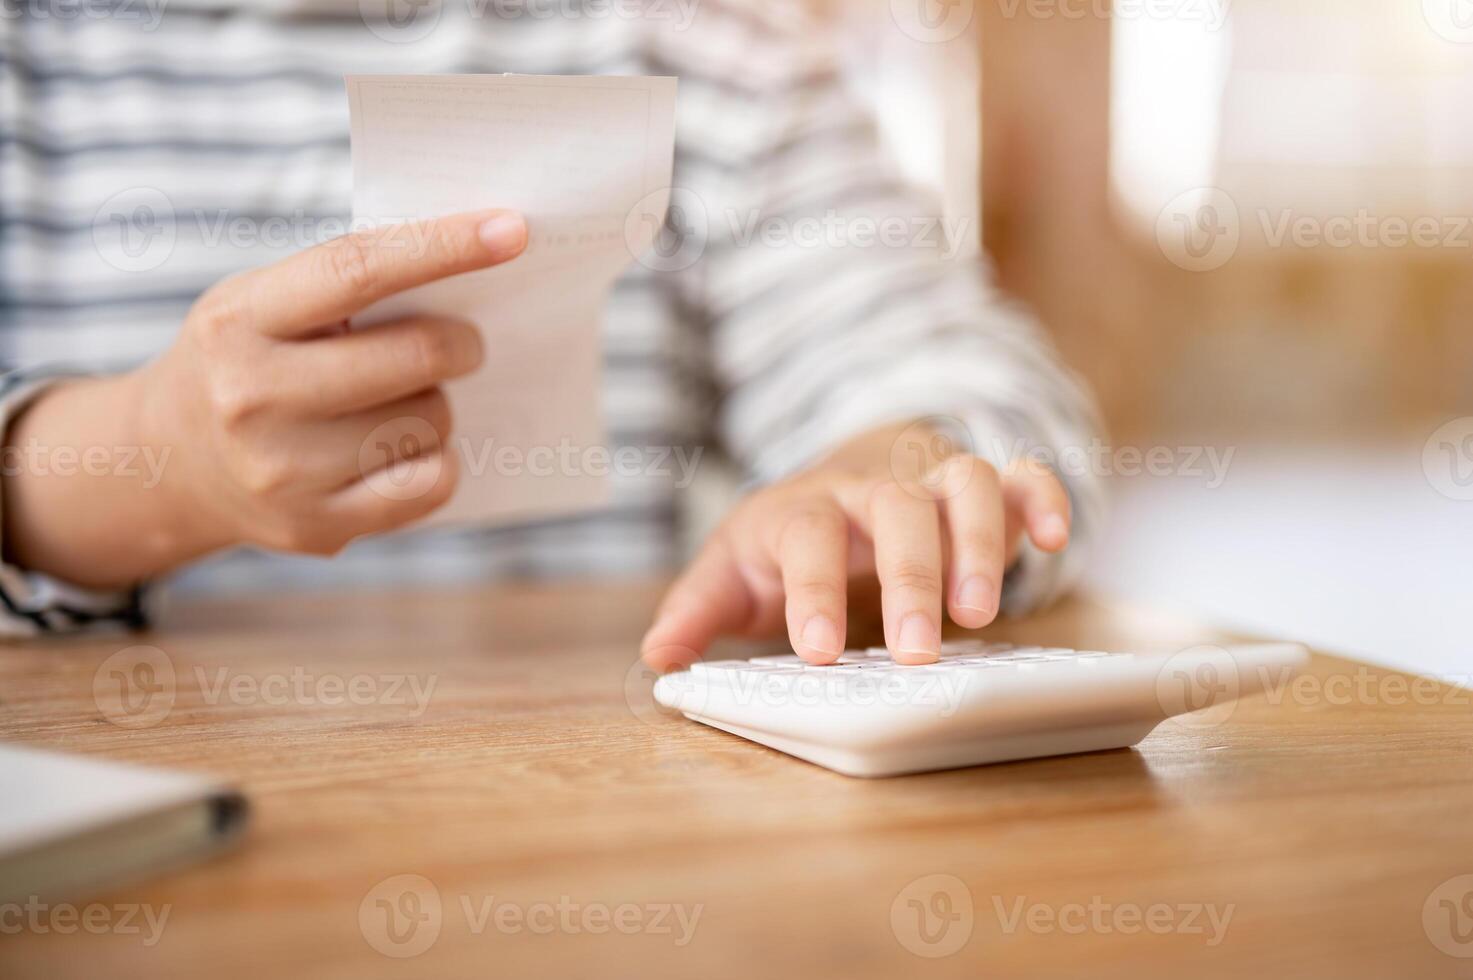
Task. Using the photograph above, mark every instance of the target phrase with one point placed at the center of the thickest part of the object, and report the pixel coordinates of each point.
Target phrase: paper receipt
(587, 161)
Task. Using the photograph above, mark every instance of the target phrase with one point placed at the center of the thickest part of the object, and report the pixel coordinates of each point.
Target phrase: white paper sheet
(587, 160)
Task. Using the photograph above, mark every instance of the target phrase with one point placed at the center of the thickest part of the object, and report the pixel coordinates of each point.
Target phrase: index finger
(330, 282)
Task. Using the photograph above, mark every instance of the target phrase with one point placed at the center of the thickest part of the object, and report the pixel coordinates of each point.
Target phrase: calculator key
(716, 666)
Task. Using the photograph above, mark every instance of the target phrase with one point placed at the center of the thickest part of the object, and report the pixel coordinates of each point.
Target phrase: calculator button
(718, 666)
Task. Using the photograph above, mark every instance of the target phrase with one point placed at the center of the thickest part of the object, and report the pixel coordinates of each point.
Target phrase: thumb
(709, 600)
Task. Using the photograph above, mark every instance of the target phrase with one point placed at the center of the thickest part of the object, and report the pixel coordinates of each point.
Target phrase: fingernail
(504, 233)
(1053, 528)
(820, 634)
(978, 594)
(918, 634)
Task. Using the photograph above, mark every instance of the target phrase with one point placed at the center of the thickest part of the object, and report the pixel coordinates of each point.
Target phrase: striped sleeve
(834, 296)
(31, 603)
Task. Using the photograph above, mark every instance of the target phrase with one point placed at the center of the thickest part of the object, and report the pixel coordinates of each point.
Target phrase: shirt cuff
(32, 603)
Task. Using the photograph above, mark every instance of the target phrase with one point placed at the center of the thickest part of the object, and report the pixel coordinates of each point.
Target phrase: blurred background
(1249, 224)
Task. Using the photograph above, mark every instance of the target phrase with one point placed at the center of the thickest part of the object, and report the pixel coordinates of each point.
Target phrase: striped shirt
(817, 296)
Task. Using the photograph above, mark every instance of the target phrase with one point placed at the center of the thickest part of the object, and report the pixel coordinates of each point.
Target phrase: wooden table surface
(566, 828)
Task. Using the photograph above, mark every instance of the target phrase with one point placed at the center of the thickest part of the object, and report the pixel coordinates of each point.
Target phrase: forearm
(86, 493)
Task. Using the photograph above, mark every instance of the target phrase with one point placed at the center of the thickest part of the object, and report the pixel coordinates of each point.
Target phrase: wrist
(182, 527)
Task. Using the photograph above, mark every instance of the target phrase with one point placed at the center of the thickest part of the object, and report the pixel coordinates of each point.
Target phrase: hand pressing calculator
(982, 702)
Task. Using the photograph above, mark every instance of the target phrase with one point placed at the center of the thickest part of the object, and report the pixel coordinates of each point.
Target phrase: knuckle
(976, 466)
(887, 494)
(812, 520)
(914, 575)
(441, 250)
(825, 592)
(762, 501)
(263, 476)
(235, 399)
(217, 313)
(978, 547)
(350, 261)
(306, 537)
(291, 538)
(960, 473)
(1029, 466)
(850, 489)
(328, 547)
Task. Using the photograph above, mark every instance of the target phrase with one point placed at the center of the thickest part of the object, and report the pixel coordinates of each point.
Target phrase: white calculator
(983, 702)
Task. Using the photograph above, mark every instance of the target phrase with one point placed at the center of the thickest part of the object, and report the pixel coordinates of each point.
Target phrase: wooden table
(566, 827)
